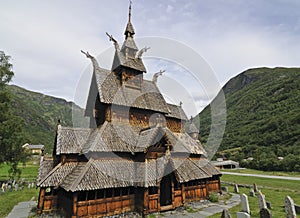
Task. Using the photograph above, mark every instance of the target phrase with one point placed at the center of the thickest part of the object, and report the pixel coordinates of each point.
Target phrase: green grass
(29, 171)
(271, 173)
(9, 199)
(266, 182)
(275, 191)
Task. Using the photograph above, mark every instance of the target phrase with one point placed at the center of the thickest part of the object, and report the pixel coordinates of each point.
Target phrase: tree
(11, 126)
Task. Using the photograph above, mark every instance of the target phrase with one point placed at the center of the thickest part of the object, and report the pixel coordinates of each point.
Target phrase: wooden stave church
(138, 154)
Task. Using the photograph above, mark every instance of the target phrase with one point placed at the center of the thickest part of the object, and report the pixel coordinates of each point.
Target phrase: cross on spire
(129, 31)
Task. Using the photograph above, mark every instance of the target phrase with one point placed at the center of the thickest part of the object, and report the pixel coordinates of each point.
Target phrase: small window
(177, 185)
(125, 191)
(108, 193)
(117, 192)
(131, 190)
(153, 190)
(91, 195)
(100, 193)
(81, 196)
(48, 191)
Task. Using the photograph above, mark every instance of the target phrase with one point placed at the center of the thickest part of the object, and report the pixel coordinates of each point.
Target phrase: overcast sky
(44, 38)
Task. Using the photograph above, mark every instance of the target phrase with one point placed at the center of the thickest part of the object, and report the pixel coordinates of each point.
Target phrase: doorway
(166, 190)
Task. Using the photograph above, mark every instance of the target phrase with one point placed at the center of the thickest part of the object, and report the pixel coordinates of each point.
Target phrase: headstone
(255, 187)
(242, 215)
(225, 214)
(224, 188)
(289, 207)
(245, 203)
(236, 188)
(269, 205)
(252, 193)
(261, 200)
(265, 213)
(297, 209)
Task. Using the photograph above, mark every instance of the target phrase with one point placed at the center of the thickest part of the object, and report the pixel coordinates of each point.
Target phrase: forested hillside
(263, 119)
(41, 113)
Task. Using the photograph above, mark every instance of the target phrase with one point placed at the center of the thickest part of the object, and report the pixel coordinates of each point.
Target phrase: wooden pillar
(207, 189)
(41, 200)
(173, 193)
(183, 194)
(146, 201)
(75, 198)
(158, 198)
(219, 182)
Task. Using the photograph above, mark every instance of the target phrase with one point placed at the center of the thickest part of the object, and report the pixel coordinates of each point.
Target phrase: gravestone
(224, 188)
(297, 209)
(245, 203)
(269, 205)
(255, 187)
(289, 207)
(236, 188)
(242, 215)
(252, 193)
(261, 200)
(265, 213)
(225, 214)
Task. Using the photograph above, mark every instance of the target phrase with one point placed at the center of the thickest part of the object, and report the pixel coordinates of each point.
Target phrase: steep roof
(119, 137)
(176, 111)
(45, 167)
(120, 58)
(100, 174)
(112, 92)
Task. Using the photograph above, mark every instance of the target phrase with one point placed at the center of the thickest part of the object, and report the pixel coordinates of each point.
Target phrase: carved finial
(94, 61)
(111, 38)
(86, 54)
(143, 50)
(156, 75)
(180, 103)
(58, 124)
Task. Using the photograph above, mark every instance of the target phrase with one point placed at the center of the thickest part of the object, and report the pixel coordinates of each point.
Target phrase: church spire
(129, 31)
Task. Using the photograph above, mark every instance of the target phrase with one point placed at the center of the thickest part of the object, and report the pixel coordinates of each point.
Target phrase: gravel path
(22, 210)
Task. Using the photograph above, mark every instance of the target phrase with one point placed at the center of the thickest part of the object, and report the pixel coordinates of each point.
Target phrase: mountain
(263, 119)
(41, 114)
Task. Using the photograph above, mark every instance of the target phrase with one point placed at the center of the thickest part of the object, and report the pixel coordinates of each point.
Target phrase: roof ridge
(99, 134)
(49, 173)
(209, 174)
(81, 175)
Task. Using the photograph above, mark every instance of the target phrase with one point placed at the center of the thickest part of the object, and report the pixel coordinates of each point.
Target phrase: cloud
(44, 38)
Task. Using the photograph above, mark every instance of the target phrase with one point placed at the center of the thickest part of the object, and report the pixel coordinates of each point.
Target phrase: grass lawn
(266, 182)
(271, 173)
(29, 171)
(275, 191)
(9, 199)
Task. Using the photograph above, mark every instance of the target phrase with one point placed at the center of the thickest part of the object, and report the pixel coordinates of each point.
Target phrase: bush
(213, 197)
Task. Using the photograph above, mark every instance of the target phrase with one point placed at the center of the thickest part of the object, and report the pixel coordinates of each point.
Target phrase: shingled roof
(119, 137)
(113, 173)
(112, 92)
(46, 165)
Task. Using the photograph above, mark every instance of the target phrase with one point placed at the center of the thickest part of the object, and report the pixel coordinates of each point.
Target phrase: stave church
(140, 154)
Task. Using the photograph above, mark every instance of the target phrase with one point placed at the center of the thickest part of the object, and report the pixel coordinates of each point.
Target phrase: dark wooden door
(166, 191)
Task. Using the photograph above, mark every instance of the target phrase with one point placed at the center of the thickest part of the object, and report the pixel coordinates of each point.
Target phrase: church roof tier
(176, 111)
(112, 92)
(118, 137)
(101, 174)
(133, 62)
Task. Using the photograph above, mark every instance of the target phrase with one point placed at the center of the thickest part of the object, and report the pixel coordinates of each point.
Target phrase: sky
(44, 39)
